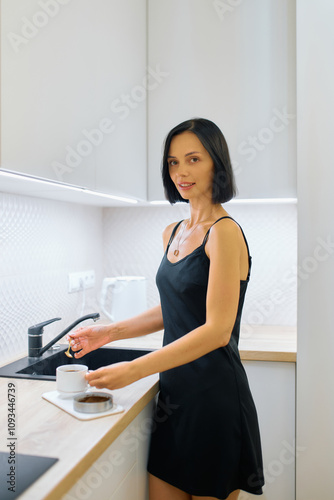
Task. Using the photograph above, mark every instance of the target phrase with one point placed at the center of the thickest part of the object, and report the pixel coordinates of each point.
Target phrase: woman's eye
(194, 160)
(172, 163)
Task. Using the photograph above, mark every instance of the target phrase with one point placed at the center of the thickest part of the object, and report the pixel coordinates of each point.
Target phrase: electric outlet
(80, 281)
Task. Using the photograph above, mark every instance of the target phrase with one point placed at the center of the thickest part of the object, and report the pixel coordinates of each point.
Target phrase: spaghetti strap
(173, 234)
(208, 231)
(243, 234)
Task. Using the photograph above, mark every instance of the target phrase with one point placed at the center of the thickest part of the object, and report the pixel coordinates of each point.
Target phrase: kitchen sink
(44, 368)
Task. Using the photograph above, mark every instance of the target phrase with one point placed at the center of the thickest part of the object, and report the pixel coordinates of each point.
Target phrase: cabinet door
(273, 388)
(64, 66)
(120, 472)
(233, 63)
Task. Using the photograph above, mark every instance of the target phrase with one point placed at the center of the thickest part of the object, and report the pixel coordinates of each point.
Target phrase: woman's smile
(184, 186)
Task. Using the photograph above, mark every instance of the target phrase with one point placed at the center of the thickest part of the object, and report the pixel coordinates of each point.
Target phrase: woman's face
(190, 167)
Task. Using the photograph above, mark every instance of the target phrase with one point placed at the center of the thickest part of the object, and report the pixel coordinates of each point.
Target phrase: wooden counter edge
(289, 357)
(87, 461)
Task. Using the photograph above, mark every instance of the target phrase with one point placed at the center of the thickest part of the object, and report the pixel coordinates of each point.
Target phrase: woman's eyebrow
(192, 153)
(187, 154)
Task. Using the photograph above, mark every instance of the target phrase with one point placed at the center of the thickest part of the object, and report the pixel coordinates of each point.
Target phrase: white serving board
(65, 402)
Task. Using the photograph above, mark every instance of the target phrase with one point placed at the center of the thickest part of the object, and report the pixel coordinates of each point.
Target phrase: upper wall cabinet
(73, 92)
(233, 63)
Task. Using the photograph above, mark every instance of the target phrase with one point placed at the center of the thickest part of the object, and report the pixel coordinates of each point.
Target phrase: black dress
(205, 436)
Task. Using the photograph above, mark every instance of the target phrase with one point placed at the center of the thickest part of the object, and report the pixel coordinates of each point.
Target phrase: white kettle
(123, 297)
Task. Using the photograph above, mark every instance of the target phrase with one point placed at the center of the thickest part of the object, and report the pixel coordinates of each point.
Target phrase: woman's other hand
(113, 376)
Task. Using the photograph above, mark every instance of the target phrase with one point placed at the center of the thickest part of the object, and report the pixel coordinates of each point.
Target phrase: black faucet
(35, 335)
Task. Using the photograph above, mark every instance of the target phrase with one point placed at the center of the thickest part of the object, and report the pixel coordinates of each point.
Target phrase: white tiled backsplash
(42, 241)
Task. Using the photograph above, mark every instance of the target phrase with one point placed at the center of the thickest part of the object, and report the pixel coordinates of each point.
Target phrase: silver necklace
(179, 242)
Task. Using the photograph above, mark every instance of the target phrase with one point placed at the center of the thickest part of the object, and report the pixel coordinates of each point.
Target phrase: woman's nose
(183, 170)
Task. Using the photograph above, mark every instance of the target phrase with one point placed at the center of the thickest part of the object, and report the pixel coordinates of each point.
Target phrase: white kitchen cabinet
(233, 63)
(128, 487)
(73, 92)
(120, 472)
(80, 102)
(273, 388)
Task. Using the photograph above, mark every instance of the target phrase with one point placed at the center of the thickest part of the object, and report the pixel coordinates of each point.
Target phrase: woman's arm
(149, 321)
(222, 306)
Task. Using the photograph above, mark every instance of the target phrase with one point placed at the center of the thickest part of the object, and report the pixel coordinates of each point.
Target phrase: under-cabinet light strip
(263, 200)
(38, 180)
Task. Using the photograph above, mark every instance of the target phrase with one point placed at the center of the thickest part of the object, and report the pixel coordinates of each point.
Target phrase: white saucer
(64, 400)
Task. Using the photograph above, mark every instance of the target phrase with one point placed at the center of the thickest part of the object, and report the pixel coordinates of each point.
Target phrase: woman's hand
(88, 338)
(113, 376)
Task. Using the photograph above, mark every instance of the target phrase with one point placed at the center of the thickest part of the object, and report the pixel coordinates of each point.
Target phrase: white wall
(315, 367)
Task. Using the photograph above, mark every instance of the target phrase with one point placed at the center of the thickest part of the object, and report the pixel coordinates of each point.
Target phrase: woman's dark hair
(214, 142)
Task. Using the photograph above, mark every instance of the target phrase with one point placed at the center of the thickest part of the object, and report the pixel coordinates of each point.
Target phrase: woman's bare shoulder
(226, 226)
(225, 230)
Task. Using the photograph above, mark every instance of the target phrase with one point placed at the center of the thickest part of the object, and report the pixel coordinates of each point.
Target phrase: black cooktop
(19, 472)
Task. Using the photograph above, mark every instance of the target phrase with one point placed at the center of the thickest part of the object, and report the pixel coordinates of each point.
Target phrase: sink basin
(44, 368)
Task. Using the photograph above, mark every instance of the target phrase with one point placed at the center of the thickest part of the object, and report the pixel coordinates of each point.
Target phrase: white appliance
(123, 297)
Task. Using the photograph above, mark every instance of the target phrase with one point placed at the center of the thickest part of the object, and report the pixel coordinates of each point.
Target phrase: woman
(209, 446)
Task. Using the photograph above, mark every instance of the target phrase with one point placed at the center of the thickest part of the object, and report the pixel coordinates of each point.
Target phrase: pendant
(176, 253)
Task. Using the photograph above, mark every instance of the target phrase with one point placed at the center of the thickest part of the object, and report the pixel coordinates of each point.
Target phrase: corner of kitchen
(84, 113)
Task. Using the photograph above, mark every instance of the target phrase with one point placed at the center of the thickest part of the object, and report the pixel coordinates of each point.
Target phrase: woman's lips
(184, 186)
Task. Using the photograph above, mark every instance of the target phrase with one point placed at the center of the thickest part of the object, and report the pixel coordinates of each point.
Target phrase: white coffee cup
(71, 378)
